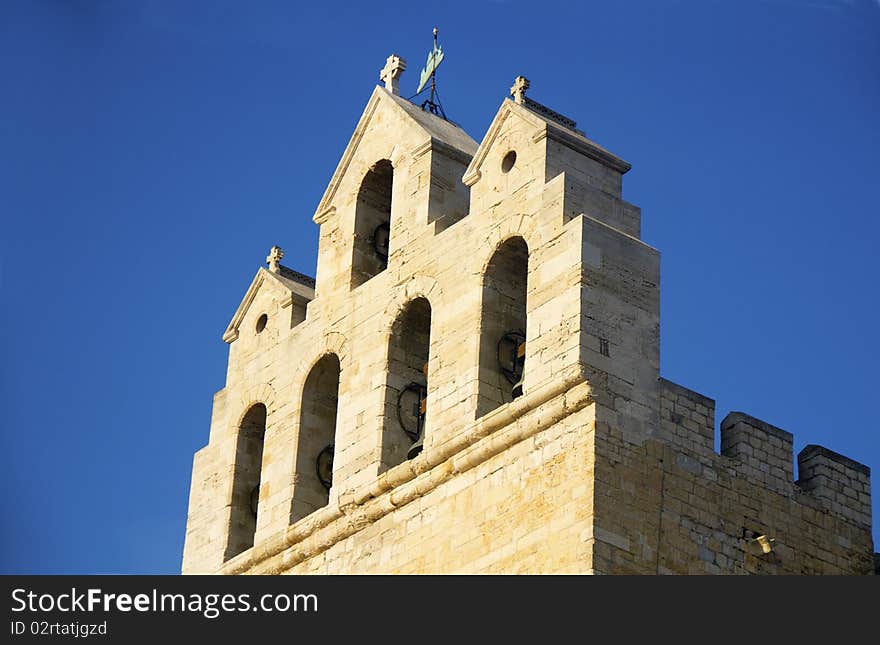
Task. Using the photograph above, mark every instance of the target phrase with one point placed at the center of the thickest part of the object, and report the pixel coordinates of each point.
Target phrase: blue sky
(153, 152)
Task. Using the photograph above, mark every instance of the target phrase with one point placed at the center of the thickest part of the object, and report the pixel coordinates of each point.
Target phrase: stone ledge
(583, 146)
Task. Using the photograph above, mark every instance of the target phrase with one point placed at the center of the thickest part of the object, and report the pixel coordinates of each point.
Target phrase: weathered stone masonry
(447, 270)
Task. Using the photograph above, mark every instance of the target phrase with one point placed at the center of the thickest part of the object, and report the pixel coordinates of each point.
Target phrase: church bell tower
(471, 383)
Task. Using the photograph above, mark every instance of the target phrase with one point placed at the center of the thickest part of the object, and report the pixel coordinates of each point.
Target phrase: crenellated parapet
(756, 460)
(840, 483)
(687, 418)
(765, 454)
(763, 451)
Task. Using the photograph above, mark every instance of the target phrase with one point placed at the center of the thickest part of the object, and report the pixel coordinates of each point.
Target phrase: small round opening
(508, 161)
(261, 322)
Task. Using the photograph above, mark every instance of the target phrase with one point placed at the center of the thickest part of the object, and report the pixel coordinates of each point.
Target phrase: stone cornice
(584, 147)
(472, 174)
(544, 128)
(231, 332)
(443, 148)
(322, 216)
(324, 207)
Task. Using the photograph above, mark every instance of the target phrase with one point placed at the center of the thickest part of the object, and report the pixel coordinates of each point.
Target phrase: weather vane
(429, 73)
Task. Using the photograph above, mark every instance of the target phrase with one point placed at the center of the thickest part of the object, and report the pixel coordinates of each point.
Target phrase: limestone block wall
(670, 506)
(514, 495)
(842, 485)
(583, 198)
(619, 331)
(207, 523)
(763, 452)
(687, 419)
(449, 198)
(586, 165)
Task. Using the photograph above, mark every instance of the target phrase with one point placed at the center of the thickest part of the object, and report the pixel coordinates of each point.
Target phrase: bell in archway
(419, 410)
(416, 448)
(255, 499)
(324, 466)
(517, 389)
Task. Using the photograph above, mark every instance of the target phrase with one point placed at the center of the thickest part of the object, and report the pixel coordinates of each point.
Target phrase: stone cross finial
(274, 258)
(390, 74)
(520, 85)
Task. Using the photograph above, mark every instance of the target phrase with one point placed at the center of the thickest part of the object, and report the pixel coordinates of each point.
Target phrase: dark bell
(416, 448)
(255, 499)
(324, 466)
(381, 238)
(517, 389)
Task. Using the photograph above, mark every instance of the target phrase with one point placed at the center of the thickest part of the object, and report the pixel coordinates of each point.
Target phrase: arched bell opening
(406, 392)
(372, 223)
(244, 505)
(316, 442)
(503, 326)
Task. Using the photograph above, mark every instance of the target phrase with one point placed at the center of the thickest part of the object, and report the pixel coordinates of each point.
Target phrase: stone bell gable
(472, 384)
(402, 168)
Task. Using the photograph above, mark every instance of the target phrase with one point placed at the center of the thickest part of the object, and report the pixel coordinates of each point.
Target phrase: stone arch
(503, 324)
(372, 222)
(408, 337)
(259, 393)
(247, 471)
(418, 286)
(330, 343)
(316, 436)
(523, 226)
